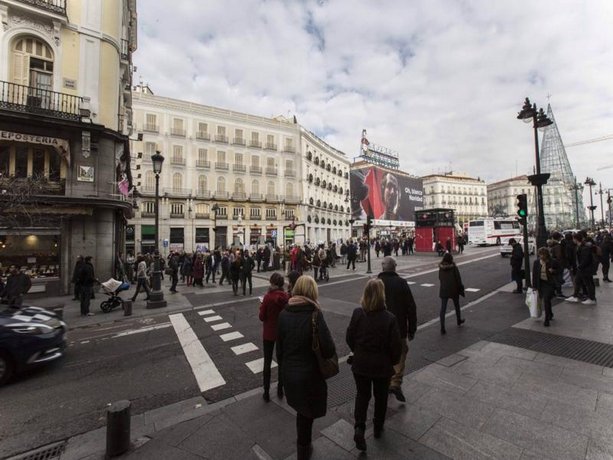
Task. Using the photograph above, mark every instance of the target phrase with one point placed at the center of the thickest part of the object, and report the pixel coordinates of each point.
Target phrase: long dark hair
(447, 258)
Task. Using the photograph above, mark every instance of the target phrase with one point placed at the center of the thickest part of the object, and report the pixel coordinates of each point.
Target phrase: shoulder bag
(327, 366)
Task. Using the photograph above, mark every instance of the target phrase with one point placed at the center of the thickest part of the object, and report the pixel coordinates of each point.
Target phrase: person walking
(352, 253)
(186, 269)
(584, 276)
(173, 266)
(399, 300)
(517, 259)
(544, 279)
(460, 242)
(606, 252)
(451, 288)
(87, 279)
(235, 272)
(141, 279)
(305, 387)
(246, 272)
(273, 303)
(225, 268)
(76, 272)
(374, 339)
(17, 285)
(198, 270)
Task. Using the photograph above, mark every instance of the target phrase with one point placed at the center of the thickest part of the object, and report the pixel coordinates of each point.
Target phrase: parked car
(506, 249)
(29, 336)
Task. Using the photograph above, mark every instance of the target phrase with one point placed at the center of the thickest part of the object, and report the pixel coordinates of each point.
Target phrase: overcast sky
(438, 81)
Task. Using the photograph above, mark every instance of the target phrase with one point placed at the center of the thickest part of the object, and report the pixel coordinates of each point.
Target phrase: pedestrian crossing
(429, 285)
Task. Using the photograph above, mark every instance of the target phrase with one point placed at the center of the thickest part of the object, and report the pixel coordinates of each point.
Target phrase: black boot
(461, 321)
(304, 452)
(358, 437)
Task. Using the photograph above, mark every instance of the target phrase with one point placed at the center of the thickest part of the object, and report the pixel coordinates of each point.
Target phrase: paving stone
(413, 421)
(451, 360)
(340, 433)
(461, 442)
(588, 422)
(457, 407)
(523, 402)
(536, 436)
(599, 449)
(503, 376)
(551, 371)
(441, 377)
(325, 449)
(176, 434)
(604, 402)
(557, 390)
(394, 446)
(413, 389)
(159, 451)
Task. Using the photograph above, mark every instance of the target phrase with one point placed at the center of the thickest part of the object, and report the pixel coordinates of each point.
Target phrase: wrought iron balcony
(239, 141)
(221, 138)
(178, 192)
(177, 132)
(270, 146)
(291, 199)
(272, 198)
(203, 164)
(289, 149)
(203, 135)
(177, 161)
(222, 166)
(221, 196)
(239, 196)
(255, 170)
(54, 6)
(203, 194)
(290, 173)
(239, 168)
(151, 128)
(27, 99)
(256, 197)
(271, 171)
(256, 144)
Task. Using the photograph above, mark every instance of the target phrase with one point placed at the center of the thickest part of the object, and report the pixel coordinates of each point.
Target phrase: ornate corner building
(231, 179)
(65, 118)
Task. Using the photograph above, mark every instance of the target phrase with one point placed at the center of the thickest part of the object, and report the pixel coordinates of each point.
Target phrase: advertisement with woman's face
(384, 195)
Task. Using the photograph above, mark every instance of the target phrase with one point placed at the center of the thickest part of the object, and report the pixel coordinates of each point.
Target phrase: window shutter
(21, 68)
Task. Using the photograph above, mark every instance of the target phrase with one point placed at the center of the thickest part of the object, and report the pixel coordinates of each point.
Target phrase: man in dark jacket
(173, 265)
(87, 279)
(75, 277)
(246, 269)
(17, 284)
(585, 268)
(352, 253)
(399, 300)
(517, 258)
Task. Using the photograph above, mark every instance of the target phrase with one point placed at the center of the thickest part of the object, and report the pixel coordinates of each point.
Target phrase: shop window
(38, 163)
(176, 235)
(21, 162)
(38, 255)
(147, 233)
(202, 235)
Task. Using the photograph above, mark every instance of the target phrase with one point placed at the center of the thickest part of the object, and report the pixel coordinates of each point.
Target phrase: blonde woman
(374, 339)
(305, 388)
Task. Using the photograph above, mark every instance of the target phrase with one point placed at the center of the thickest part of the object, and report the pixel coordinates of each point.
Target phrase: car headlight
(30, 329)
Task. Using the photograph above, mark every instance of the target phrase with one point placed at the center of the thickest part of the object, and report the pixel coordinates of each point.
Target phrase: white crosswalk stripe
(206, 312)
(472, 290)
(257, 365)
(244, 348)
(221, 326)
(210, 319)
(427, 284)
(231, 336)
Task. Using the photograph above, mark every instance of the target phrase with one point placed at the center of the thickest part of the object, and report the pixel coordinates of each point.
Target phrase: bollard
(127, 308)
(118, 428)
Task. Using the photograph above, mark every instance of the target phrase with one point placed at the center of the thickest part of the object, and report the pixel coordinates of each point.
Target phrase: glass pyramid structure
(560, 199)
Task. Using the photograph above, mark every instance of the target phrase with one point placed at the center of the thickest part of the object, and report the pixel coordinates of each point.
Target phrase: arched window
(289, 189)
(221, 184)
(270, 188)
(177, 182)
(149, 180)
(255, 186)
(202, 184)
(33, 64)
(239, 186)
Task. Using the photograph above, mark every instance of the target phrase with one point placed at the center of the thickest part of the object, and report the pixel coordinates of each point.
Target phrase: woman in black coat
(544, 274)
(374, 339)
(451, 288)
(305, 388)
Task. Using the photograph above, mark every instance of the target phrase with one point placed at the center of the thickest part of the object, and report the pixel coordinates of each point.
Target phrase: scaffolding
(559, 197)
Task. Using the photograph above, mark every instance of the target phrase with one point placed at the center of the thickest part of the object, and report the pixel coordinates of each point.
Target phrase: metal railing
(54, 6)
(271, 171)
(176, 191)
(177, 132)
(256, 197)
(177, 161)
(256, 144)
(221, 138)
(221, 196)
(223, 166)
(291, 199)
(270, 146)
(203, 135)
(255, 169)
(271, 197)
(240, 196)
(151, 128)
(28, 99)
(203, 194)
(290, 173)
(289, 149)
(203, 164)
(239, 168)
(239, 141)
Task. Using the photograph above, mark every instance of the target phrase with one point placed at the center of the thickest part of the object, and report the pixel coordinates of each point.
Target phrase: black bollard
(118, 428)
(127, 308)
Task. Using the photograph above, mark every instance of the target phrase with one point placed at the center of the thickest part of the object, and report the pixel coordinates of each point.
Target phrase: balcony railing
(254, 217)
(255, 170)
(271, 171)
(151, 128)
(271, 217)
(239, 141)
(271, 197)
(291, 199)
(147, 214)
(203, 135)
(177, 161)
(221, 138)
(125, 49)
(239, 168)
(221, 196)
(256, 197)
(290, 173)
(177, 132)
(222, 166)
(203, 164)
(256, 144)
(203, 194)
(176, 191)
(54, 6)
(270, 146)
(289, 149)
(239, 196)
(200, 215)
(28, 99)
(177, 215)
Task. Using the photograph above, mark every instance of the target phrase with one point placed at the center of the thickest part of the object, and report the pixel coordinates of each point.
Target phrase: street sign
(273, 233)
(165, 242)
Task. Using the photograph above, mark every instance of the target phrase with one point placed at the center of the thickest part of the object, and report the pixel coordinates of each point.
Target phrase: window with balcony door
(238, 159)
(149, 180)
(151, 122)
(255, 161)
(33, 67)
(203, 155)
(221, 130)
(270, 162)
(177, 182)
(221, 156)
(239, 186)
(221, 184)
(203, 130)
(289, 144)
(150, 148)
(270, 188)
(255, 137)
(177, 154)
(255, 186)
(202, 184)
(178, 128)
(238, 135)
(236, 212)
(289, 165)
(271, 213)
(255, 213)
(289, 189)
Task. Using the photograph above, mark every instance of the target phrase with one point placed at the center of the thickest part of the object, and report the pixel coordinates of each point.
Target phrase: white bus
(490, 230)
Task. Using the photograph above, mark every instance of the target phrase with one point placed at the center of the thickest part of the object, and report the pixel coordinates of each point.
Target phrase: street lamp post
(214, 208)
(600, 192)
(590, 183)
(576, 188)
(609, 203)
(539, 120)
(156, 298)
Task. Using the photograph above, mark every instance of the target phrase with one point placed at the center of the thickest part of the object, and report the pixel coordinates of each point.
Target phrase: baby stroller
(112, 288)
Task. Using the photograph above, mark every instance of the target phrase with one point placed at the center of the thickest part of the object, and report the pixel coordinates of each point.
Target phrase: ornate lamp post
(214, 208)
(590, 183)
(577, 187)
(600, 192)
(156, 298)
(539, 120)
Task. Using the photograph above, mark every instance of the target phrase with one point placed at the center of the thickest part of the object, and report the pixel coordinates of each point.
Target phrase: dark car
(29, 336)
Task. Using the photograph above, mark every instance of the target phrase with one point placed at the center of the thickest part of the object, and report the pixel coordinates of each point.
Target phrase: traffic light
(522, 206)
(367, 225)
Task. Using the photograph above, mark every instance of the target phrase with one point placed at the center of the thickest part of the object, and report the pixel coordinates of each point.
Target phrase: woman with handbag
(544, 276)
(374, 339)
(451, 288)
(305, 386)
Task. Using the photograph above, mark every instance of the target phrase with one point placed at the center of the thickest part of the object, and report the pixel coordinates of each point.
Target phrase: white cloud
(439, 81)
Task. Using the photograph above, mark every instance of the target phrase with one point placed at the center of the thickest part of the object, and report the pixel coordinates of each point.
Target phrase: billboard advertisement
(390, 197)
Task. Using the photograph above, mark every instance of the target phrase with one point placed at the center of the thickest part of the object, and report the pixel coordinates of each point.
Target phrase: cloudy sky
(438, 81)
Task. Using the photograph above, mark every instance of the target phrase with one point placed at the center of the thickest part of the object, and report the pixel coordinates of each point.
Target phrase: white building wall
(466, 196)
